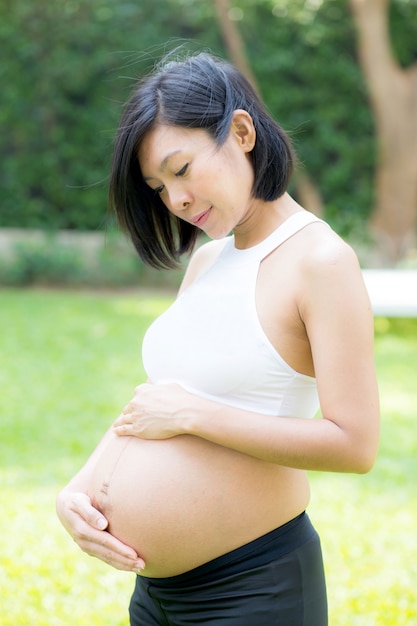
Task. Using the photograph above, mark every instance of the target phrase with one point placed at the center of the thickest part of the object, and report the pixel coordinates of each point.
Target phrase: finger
(122, 429)
(124, 418)
(83, 507)
(115, 559)
(103, 545)
(109, 549)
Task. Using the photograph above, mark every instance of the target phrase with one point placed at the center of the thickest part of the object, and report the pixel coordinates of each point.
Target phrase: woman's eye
(182, 171)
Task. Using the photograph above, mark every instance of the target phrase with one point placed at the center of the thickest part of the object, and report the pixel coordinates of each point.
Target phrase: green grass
(69, 363)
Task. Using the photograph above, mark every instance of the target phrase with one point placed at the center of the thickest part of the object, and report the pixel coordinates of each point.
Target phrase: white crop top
(210, 340)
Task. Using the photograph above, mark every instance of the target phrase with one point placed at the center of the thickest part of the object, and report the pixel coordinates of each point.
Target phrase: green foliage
(61, 71)
(48, 261)
(67, 67)
(312, 83)
(73, 360)
(403, 31)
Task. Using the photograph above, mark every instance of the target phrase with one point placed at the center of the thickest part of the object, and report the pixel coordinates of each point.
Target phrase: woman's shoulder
(330, 270)
(317, 260)
(327, 249)
(314, 248)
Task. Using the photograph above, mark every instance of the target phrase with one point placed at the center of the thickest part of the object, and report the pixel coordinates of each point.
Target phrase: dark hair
(199, 91)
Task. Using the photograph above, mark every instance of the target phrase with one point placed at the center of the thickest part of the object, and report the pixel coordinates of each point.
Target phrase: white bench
(393, 293)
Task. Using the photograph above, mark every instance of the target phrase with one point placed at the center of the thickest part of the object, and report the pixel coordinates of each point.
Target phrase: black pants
(276, 580)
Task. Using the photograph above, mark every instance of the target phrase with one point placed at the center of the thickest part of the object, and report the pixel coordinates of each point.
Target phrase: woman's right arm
(87, 526)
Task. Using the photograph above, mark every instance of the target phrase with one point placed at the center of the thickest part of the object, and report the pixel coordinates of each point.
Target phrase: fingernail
(101, 523)
(139, 567)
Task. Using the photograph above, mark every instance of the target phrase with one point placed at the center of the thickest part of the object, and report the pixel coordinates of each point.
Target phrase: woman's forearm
(344, 440)
(310, 444)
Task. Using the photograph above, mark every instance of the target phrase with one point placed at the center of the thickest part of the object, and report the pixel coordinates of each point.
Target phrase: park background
(341, 77)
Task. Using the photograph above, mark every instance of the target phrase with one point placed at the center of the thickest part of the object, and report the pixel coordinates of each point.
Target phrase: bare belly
(183, 501)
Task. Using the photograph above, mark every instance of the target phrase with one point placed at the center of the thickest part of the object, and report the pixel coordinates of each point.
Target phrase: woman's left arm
(337, 315)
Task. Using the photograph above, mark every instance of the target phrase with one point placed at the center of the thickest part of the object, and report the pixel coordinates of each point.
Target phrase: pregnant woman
(200, 486)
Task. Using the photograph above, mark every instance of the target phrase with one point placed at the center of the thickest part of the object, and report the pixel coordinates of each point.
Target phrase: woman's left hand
(153, 413)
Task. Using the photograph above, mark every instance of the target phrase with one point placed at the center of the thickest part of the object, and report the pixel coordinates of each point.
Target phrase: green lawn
(69, 363)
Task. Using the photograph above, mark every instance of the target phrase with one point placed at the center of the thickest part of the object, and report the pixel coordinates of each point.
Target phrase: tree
(233, 40)
(308, 193)
(393, 97)
(68, 66)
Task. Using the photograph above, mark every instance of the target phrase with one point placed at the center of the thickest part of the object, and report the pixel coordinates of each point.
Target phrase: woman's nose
(180, 200)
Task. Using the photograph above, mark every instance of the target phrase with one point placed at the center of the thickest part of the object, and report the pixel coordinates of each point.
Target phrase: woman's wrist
(187, 426)
(196, 413)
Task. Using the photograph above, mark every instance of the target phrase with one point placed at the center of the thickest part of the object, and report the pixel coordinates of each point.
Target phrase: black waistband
(260, 551)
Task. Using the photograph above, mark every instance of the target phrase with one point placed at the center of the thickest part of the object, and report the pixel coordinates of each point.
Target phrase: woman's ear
(243, 130)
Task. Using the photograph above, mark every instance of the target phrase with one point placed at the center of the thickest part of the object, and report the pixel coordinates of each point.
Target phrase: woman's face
(198, 182)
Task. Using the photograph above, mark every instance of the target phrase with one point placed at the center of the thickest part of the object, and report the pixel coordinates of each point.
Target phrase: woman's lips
(202, 218)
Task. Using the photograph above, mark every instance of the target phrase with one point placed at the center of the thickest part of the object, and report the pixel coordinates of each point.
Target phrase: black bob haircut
(199, 91)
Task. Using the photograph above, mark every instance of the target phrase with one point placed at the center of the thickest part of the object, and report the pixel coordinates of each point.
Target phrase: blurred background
(340, 76)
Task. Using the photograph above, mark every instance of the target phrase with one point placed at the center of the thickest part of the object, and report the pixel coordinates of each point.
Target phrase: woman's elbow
(365, 466)
(359, 448)
(356, 454)
(364, 458)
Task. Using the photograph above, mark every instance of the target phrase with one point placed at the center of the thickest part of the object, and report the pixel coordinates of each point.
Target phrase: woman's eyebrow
(163, 163)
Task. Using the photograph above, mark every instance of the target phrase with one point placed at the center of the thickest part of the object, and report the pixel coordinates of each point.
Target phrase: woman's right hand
(87, 526)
